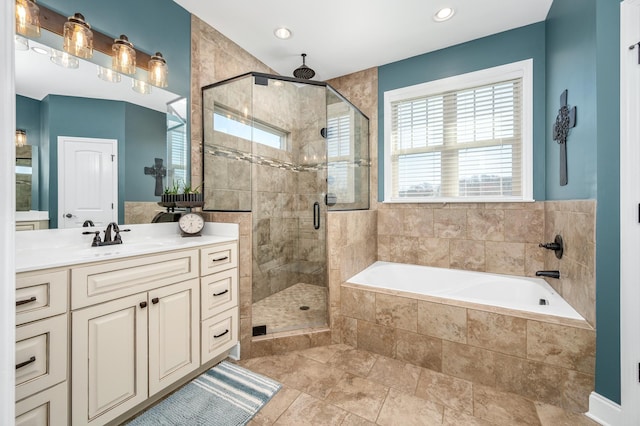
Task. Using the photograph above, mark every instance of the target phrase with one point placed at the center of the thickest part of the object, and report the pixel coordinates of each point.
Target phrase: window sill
(420, 200)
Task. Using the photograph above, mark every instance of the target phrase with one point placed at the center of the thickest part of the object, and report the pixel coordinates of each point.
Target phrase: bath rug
(226, 395)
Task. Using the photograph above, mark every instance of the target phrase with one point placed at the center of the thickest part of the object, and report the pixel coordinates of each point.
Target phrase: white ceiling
(344, 36)
(37, 77)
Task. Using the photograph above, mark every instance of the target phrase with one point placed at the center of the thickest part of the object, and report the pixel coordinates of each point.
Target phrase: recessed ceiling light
(40, 50)
(444, 14)
(282, 33)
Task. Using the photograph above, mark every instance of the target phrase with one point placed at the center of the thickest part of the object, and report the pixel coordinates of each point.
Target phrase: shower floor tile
(281, 311)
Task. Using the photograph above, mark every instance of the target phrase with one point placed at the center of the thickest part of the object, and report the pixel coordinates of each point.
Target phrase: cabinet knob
(155, 300)
(143, 304)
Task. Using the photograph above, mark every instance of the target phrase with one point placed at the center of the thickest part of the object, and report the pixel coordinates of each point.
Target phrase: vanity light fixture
(27, 18)
(77, 37)
(21, 137)
(444, 14)
(282, 33)
(21, 43)
(108, 75)
(157, 74)
(140, 86)
(64, 60)
(124, 56)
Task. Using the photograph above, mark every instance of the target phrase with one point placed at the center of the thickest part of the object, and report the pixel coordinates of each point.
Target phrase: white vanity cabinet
(219, 311)
(128, 349)
(106, 335)
(41, 347)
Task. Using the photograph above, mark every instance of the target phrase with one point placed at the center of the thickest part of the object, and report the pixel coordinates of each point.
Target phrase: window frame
(521, 69)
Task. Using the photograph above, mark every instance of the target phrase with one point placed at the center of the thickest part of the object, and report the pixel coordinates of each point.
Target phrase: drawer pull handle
(155, 300)
(221, 293)
(143, 305)
(25, 301)
(215, 336)
(25, 363)
(220, 259)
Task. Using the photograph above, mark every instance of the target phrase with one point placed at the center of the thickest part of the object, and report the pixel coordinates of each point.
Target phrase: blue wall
(28, 118)
(608, 211)
(151, 25)
(510, 46)
(571, 65)
(145, 140)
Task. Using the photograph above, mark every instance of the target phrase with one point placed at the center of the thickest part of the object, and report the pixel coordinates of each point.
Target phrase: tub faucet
(548, 274)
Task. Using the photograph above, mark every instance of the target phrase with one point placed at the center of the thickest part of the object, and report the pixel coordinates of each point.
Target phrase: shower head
(303, 71)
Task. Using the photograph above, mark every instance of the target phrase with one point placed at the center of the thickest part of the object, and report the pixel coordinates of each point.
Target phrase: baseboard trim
(604, 411)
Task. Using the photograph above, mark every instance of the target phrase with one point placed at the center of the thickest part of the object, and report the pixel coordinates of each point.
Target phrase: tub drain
(304, 308)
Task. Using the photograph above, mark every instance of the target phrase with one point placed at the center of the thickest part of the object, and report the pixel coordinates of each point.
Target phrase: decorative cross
(158, 171)
(565, 120)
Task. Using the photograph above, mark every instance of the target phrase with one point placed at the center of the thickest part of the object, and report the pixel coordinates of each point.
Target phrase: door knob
(68, 215)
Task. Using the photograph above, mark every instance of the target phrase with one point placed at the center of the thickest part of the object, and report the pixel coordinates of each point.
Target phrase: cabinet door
(173, 333)
(109, 359)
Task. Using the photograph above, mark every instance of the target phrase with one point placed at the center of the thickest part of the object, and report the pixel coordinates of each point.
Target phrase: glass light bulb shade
(78, 37)
(109, 75)
(64, 60)
(141, 86)
(21, 43)
(21, 137)
(444, 14)
(158, 71)
(27, 18)
(124, 56)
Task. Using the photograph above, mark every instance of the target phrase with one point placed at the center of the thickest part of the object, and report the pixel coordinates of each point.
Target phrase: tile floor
(340, 385)
(281, 311)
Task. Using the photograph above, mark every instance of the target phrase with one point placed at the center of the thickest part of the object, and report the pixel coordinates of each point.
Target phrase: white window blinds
(460, 143)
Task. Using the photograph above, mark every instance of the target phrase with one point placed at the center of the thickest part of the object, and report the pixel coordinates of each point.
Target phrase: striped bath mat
(226, 395)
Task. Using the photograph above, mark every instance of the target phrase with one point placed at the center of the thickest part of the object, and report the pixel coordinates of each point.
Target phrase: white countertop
(31, 215)
(52, 248)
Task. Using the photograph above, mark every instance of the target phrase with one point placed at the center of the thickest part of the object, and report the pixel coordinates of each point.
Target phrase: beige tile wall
(140, 211)
(548, 362)
(575, 221)
(500, 238)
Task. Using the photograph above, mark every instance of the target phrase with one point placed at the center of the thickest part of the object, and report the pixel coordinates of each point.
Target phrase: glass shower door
(289, 215)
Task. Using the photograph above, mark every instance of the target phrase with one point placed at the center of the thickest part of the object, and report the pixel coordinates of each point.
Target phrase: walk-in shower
(287, 151)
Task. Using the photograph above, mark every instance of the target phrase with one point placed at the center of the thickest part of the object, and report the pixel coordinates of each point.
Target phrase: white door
(87, 181)
(629, 203)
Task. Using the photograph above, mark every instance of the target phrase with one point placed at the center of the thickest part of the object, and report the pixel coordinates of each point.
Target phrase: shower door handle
(316, 215)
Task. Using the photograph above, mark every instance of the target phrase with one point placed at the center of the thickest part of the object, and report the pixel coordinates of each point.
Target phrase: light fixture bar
(54, 22)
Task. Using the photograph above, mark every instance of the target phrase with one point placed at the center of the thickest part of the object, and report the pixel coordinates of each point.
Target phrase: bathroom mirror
(150, 125)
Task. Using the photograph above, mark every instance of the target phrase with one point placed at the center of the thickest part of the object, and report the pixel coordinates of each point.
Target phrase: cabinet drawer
(40, 295)
(218, 258)
(219, 292)
(45, 408)
(107, 281)
(219, 334)
(41, 355)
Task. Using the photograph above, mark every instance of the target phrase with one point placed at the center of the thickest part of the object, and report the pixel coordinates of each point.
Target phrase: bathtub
(523, 294)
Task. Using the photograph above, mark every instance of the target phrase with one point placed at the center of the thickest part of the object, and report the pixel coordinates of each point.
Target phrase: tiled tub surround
(547, 359)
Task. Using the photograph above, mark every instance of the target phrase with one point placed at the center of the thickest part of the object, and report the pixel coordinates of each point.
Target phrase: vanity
(103, 332)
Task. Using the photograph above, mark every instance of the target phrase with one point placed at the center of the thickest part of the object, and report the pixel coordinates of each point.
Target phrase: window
(340, 158)
(177, 146)
(465, 138)
(233, 124)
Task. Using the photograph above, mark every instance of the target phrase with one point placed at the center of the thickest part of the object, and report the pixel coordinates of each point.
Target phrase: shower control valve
(557, 245)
